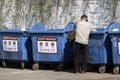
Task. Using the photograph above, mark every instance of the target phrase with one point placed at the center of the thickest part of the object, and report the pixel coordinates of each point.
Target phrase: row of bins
(104, 47)
(36, 44)
(50, 46)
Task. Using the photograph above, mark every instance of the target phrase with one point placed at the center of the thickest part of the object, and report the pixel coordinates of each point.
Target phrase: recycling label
(46, 44)
(10, 43)
(119, 46)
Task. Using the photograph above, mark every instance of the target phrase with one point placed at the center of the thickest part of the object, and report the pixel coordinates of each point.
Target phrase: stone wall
(57, 13)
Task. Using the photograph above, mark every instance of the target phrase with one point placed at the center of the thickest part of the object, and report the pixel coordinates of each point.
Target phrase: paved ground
(51, 74)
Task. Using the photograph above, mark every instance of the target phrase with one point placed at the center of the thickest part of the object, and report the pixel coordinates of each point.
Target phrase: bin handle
(25, 33)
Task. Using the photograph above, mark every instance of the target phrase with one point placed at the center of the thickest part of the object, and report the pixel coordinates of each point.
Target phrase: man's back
(83, 30)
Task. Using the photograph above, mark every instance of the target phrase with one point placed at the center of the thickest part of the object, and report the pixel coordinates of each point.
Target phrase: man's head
(84, 18)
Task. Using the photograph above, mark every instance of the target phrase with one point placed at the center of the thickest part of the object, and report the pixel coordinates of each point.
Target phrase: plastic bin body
(99, 47)
(15, 45)
(51, 45)
(114, 32)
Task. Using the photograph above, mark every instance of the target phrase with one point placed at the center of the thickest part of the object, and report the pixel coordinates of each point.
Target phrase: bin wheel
(116, 70)
(102, 69)
(35, 66)
(22, 65)
(60, 67)
(4, 64)
(47, 66)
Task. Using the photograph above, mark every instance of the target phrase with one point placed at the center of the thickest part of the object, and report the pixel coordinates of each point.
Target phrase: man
(83, 29)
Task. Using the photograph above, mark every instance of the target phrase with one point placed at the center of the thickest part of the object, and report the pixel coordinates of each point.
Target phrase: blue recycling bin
(51, 45)
(99, 49)
(114, 31)
(15, 45)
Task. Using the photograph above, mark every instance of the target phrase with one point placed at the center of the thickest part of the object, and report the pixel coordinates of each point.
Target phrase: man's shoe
(76, 72)
(83, 71)
(80, 70)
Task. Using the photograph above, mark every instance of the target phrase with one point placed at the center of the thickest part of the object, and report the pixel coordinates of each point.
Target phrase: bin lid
(13, 30)
(39, 28)
(69, 26)
(113, 27)
(99, 31)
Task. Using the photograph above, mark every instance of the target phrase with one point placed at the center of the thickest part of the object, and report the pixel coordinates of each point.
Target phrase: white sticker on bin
(119, 46)
(10, 43)
(116, 29)
(47, 44)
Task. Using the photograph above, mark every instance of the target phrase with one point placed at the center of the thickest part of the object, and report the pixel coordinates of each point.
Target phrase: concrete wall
(57, 13)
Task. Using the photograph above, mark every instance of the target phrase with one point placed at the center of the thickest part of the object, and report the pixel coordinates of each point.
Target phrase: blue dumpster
(99, 49)
(114, 32)
(51, 45)
(15, 45)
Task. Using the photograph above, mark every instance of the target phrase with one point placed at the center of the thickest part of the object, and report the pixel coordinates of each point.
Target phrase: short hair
(84, 16)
